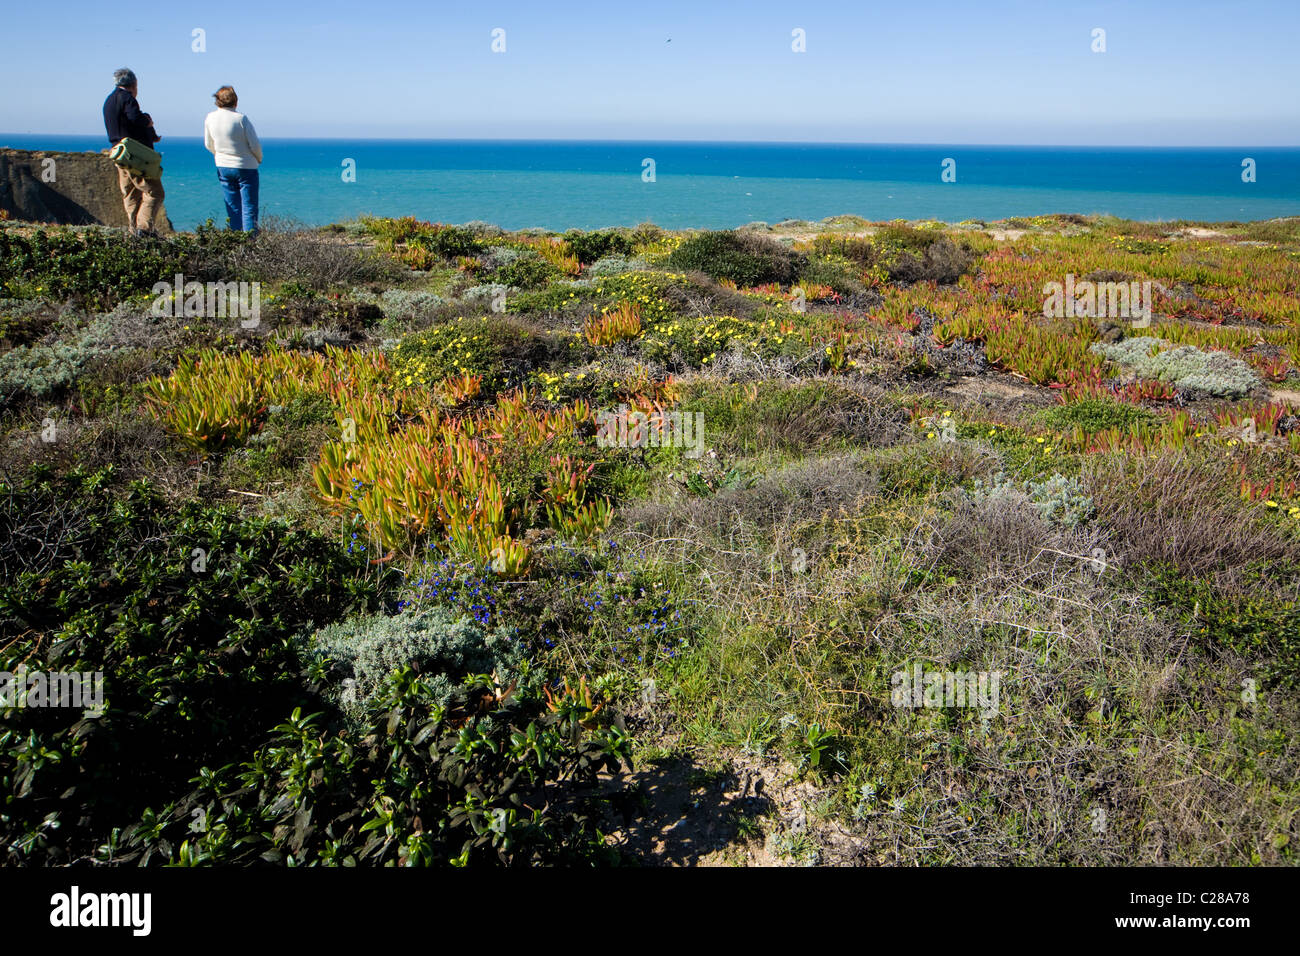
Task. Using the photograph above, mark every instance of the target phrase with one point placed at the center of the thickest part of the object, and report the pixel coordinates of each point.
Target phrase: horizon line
(706, 142)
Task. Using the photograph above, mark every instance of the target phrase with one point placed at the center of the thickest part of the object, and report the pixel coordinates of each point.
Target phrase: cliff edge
(75, 189)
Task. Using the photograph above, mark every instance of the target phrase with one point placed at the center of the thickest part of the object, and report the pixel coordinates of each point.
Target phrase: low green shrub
(448, 242)
(838, 272)
(857, 249)
(526, 271)
(188, 613)
(1260, 625)
(915, 470)
(493, 347)
(592, 246)
(1095, 415)
(746, 258)
(903, 252)
(502, 777)
(229, 734)
(560, 295)
(103, 267)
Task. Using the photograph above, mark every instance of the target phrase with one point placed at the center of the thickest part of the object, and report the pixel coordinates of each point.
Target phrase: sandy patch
(678, 814)
(983, 387)
(805, 236)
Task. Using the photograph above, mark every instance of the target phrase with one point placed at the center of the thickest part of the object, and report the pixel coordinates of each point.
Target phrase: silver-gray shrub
(484, 230)
(1060, 500)
(403, 304)
(617, 265)
(1185, 367)
(41, 369)
(440, 646)
(498, 256)
(484, 293)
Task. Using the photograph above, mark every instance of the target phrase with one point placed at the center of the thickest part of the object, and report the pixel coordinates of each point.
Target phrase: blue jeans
(239, 186)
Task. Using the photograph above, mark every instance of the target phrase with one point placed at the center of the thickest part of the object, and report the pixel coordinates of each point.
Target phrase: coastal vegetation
(368, 585)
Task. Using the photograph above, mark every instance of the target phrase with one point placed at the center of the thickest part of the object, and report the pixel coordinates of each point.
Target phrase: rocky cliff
(66, 188)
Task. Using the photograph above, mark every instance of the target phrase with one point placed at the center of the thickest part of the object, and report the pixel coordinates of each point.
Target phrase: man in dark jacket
(122, 117)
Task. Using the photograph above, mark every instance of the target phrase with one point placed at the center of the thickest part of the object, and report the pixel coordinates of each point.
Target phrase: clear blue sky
(1175, 72)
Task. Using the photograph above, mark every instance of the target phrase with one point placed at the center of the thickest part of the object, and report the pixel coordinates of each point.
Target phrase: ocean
(588, 185)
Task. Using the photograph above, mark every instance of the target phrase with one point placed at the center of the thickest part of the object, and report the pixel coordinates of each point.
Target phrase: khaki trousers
(140, 196)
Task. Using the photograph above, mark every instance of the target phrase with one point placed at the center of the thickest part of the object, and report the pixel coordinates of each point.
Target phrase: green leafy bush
(448, 242)
(903, 252)
(528, 271)
(188, 613)
(591, 246)
(858, 249)
(103, 266)
(492, 347)
(900, 237)
(193, 760)
(1095, 415)
(500, 778)
(837, 272)
(746, 258)
(555, 297)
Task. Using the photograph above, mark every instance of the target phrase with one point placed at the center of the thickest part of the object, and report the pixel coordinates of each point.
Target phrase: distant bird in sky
(669, 40)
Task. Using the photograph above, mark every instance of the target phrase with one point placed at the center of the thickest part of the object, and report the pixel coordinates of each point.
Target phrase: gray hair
(124, 78)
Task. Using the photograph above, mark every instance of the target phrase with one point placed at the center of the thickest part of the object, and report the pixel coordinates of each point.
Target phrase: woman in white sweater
(230, 137)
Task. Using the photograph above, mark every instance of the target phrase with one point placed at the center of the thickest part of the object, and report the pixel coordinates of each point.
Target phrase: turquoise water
(587, 185)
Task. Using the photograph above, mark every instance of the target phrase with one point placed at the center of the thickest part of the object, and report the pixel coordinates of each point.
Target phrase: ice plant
(555, 252)
(623, 323)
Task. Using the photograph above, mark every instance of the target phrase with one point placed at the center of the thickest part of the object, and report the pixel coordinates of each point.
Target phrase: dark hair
(226, 97)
